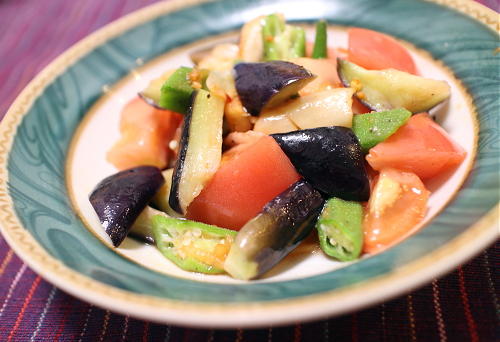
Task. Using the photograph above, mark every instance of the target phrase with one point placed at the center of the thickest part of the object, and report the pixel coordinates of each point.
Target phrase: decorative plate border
(152, 308)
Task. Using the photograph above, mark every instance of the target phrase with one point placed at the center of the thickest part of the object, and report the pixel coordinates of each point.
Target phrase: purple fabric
(461, 306)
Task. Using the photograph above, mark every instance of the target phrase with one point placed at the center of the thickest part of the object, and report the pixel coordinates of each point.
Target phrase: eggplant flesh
(142, 229)
(201, 140)
(330, 158)
(388, 89)
(119, 199)
(266, 85)
(281, 225)
(151, 95)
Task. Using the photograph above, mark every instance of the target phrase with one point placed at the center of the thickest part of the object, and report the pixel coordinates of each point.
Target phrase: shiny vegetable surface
(376, 51)
(120, 198)
(246, 180)
(144, 133)
(192, 246)
(340, 229)
(265, 85)
(320, 48)
(282, 41)
(281, 225)
(420, 146)
(201, 140)
(142, 229)
(389, 88)
(397, 205)
(329, 158)
(373, 128)
(176, 91)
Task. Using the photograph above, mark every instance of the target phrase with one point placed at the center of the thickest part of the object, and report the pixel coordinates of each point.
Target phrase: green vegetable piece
(373, 128)
(176, 91)
(340, 229)
(281, 41)
(320, 49)
(298, 42)
(193, 246)
(273, 27)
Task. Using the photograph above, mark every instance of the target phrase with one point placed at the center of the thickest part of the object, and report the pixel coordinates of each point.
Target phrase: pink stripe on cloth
(25, 305)
(12, 287)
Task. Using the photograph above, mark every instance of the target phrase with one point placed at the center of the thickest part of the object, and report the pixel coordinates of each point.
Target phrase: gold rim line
(473, 9)
(229, 36)
(483, 233)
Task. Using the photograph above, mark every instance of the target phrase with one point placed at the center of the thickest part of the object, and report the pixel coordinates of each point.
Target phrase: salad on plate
(228, 165)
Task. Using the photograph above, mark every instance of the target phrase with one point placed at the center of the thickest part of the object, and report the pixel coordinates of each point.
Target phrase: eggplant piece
(389, 89)
(331, 107)
(142, 229)
(330, 158)
(267, 238)
(266, 85)
(120, 198)
(200, 149)
(161, 199)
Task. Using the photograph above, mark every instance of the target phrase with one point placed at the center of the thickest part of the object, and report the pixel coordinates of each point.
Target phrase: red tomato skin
(397, 221)
(420, 146)
(376, 51)
(243, 184)
(145, 134)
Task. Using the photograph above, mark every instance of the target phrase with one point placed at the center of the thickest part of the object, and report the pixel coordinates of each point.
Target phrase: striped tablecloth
(461, 306)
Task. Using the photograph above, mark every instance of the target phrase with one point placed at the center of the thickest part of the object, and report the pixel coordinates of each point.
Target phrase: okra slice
(282, 41)
(192, 246)
(273, 27)
(176, 91)
(373, 128)
(297, 42)
(320, 49)
(340, 229)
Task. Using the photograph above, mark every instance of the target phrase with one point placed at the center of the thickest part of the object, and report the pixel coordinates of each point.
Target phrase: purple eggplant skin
(278, 229)
(261, 85)
(330, 158)
(120, 198)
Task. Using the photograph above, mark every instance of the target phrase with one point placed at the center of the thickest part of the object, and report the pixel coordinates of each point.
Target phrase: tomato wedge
(376, 51)
(420, 146)
(397, 204)
(243, 184)
(145, 134)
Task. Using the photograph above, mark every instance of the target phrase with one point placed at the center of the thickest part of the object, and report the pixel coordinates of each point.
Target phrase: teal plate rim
(40, 225)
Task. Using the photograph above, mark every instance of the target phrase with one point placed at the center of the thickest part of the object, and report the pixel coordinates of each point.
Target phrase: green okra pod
(298, 42)
(193, 246)
(373, 128)
(272, 29)
(320, 49)
(282, 41)
(340, 229)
